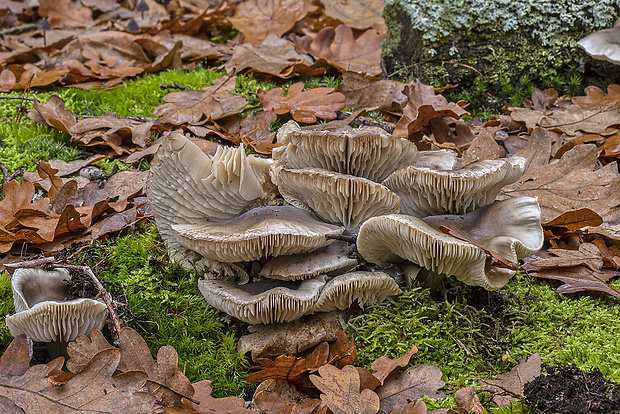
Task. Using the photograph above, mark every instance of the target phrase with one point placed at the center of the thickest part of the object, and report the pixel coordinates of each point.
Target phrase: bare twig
(16, 98)
(175, 85)
(31, 263)
(5, 174)
(18, 29)
(348, 239)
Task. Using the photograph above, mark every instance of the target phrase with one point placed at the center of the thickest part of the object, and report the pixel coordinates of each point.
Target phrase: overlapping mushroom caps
(44, 314)
(213, 214)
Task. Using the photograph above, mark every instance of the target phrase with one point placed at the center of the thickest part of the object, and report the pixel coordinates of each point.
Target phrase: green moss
(6, 308)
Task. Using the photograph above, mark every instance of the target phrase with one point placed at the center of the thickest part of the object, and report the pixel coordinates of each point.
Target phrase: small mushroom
(335, 197)
(366, 288)
(44, 314)
(604, 44)
(306, 265)
(510, 228)
(267, 301)
(262, 232)
(365, 152)
(425, 192)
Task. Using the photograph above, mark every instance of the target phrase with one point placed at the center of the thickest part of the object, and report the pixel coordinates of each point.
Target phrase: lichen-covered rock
(505, 40)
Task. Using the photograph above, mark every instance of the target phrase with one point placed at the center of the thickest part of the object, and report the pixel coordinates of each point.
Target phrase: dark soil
(566, 389)
(81, 286)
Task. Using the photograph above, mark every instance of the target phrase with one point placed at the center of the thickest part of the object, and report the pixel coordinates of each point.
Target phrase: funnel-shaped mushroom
(261, 232)
(366, 152)
(426, 192)
(306, 265)
(364, 287)
(266, 301)
(186, 186)
(335, 197)
(510, 228)
(43, 314)
(604, 44)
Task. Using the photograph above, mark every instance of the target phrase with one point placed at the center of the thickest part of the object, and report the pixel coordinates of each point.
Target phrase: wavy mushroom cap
(186, 186)
(426, 192)
(365, 152)
(306, 265)
(603, 45)
(366, 288)
(510, 228)
(259, 233)
(267, 301)
(42, 312)
(335, 197)
(440, 160)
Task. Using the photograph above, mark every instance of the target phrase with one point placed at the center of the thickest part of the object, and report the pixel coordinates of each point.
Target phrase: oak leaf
(208, 404)
(343, 351)
(508, 386)
(254, 131)
(358, 14)
(285, 367)
(413, 384)
(384, 366)
(341, 391)
(16, 358)
(579, 279)
(343, 50)
(304, 106)
(257, 19)
(575, 220)
(198, 107)
(65, 13)
(596, 97)
(588, 255)
(370, 95)
(412, 408)
(281, 397)
(53, 113)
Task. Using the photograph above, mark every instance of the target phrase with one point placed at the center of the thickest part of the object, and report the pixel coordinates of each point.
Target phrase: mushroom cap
(510, 228)
(41, 312)
(335, 197)
(366, 288)
(427, 192)
(186, 186)
(306, 265)
(603, 45)
(261, 232)
(441, 160)
(267, 301)
(365, 152)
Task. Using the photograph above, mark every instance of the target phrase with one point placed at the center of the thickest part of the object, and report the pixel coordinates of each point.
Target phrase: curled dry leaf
(281, 397)
(358, 14)
(579, 279)
(411, 385)
(257, 19)
(284, 367)
(341, 391)
(53, 113)
(120, 134)
(15, 360)
(574, 220)
(385, 366)
(411, 408)
(343, 351)
(65, 13)
(588, 255)
(208, 404)
(363, 93)
(304, 106)
(342, 49)
(510, 386)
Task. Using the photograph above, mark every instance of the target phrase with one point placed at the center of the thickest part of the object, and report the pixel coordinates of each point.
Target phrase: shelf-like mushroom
(366, 288)
(365, 152)
(186, 186)
(335, 197)
(267, 301)
(44, 314)
(306, 265)
(425, 192)
(263, 232)
(510, 228)
(604, 44)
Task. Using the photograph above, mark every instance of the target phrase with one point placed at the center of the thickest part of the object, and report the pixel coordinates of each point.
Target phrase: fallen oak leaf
(579, 279)
(363, 93)
(575, 220)
(588, 255)
(65, 13)
(279, 397)
(304, 106)
(285, 367)
(343, 351)
(412, 408)
(53, 113)
(341, 391)
(510, 386)
(208, 404)
(384, 366)
(46, 172)
(358, 14)
(413, 384)
(16, 358)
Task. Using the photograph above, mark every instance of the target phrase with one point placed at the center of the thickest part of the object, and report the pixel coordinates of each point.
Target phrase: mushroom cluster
(264, 231)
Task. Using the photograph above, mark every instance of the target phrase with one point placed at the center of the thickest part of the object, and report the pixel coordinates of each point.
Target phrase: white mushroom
(263, 232)
(266, 301)
(43, 313)
(306, 265)
(604, 44)
(510, 228)
(365, 152)
(335, 197)
(425, 192)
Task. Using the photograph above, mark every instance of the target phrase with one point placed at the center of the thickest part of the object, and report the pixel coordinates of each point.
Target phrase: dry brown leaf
(358, 14)
(483, 147)
(114, 223)
(343, 351)
(116, 133)
(254, 131)
(596, 97)
(341, 391)
(367, 380)
(510, 386)
(83, 348)
(467, 399)
(588, 255)
(385, 366)
(208, 404)
(93, 389)
(281, 397)
(570, 183)
(46, 172)
(67, 168)
(343, 50)
(257, 19)
(198, 107)
(15, 360)
(318, 357)
(579, 279)
(576, 220)
(411, 408)
(411, 385)
(304, 106)
(65, 13)
(361, 92)
(53, 113)
(126, 184)
(541, 100)
(284, 367)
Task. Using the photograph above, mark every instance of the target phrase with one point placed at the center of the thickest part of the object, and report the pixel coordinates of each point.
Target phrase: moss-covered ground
(467, 332)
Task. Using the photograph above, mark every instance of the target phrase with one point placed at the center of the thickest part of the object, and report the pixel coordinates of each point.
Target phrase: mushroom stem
(103, 293)
(348, 239)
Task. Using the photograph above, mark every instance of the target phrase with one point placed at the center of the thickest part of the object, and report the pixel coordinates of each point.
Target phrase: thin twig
(17, 98)
(103, 293)
(18, 29)
(348, 239)
(175, 85)
(31, 263)
(174, 391)
(5, 174)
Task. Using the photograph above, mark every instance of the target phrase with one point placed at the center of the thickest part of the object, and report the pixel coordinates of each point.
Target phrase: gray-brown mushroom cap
(365, 152)
(603, 45)
(42, 312)
(259, 233)
(366, 288)
(186, 186)
(335, 197)
(306, 265)
(264, 302)
(426, 192)
(510, 228)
